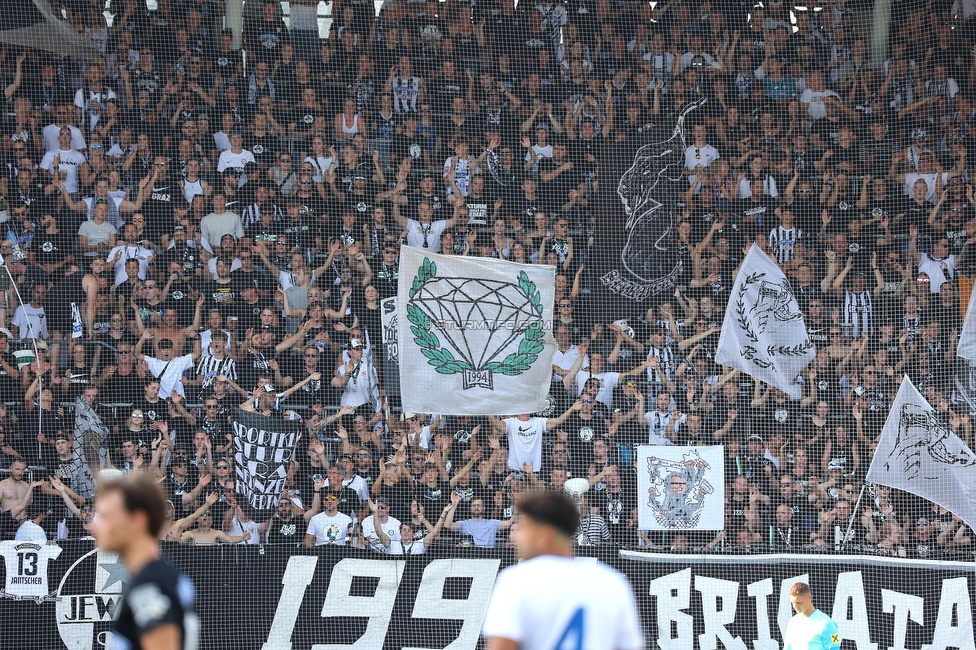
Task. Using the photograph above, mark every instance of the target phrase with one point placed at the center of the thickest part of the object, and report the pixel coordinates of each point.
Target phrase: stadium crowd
(193, 230)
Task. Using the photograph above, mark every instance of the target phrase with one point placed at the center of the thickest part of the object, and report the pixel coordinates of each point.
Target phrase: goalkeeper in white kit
(551, 601)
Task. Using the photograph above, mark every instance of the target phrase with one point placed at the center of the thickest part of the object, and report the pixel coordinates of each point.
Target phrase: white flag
(919, 454)
(763, 334)
(475, 334)
(967, 338)
(681, 488)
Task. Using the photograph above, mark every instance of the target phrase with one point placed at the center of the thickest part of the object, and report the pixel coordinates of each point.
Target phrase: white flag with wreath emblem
(763, 334)
(475, 334)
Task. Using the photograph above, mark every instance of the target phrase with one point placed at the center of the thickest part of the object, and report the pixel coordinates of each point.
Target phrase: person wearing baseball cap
(380, 519)
(357, 378)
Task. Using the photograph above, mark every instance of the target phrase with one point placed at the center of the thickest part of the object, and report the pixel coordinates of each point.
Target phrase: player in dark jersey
(156, 611)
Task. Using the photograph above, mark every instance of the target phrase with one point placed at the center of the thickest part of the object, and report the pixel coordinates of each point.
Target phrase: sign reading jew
(263, 449)
(919, 453)
(680, 488)
(763, 333)
(475, 334)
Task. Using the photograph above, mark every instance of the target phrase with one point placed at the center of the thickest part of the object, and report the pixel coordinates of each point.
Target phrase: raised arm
(316, 500)
(447, 518)
(184, 524)
(554, 423)
(380, 533)
(569, 381)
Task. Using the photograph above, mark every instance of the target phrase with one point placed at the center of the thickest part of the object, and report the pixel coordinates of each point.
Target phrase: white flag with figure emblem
(967, 338)
(475, 334)
(919, 453)
(763, 334)
(680, 488)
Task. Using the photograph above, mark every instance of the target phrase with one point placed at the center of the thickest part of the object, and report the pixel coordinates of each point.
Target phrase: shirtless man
(172, 531)
(171, 329)
(93, 282)
(13, 492)
(14, 488)
(204, 535)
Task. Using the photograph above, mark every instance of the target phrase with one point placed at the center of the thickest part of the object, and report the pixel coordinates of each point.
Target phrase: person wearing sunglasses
(62, 122)
(282, 174)
(329, 527)
(289, 523)
(939, 265)
(205, 535)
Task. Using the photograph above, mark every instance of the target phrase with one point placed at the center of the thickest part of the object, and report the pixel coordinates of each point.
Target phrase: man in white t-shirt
(50, 133)
(816, 96)
(566, 353)
(380, 519)
(939, 265)
(541, 148)
(29, 320)
(699, 155)
(64, 162)
(236, 157)
(575, 380)
(30, 529)
(424, 232)
(130, 249)
(329, 526)
(584, 604)
(357, 378)
(409, 543)
(525, 435)
(168, 367)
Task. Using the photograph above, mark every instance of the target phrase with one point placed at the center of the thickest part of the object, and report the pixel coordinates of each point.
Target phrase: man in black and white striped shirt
(218, 362)
(264, 207)
(659, 346)
(783, 238)
(593, 529)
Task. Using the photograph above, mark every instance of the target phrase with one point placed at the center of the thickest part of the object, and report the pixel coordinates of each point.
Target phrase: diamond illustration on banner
(476, 327)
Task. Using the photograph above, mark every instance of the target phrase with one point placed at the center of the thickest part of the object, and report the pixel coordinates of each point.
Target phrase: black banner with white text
(249, 599)
(263, 450)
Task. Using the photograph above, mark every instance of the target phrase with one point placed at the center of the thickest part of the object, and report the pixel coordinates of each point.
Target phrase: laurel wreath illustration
(443, 360)
(771, 350)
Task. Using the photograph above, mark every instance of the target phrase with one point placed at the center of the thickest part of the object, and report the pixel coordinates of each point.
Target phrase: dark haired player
(587, 606)
(156, 612)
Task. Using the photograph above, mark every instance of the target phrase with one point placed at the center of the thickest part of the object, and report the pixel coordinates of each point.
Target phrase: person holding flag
(764, 334)
(357, 378)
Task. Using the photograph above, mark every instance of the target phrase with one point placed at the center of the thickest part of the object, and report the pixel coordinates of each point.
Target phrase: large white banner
(967, 338)
(475, 334)
(918, 453)
(680, 488)
(763, 334)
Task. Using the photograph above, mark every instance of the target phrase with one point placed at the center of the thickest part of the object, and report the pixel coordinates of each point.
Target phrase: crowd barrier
(328, 598)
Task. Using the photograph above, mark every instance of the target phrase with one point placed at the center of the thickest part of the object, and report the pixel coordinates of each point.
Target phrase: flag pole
(850, 524)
